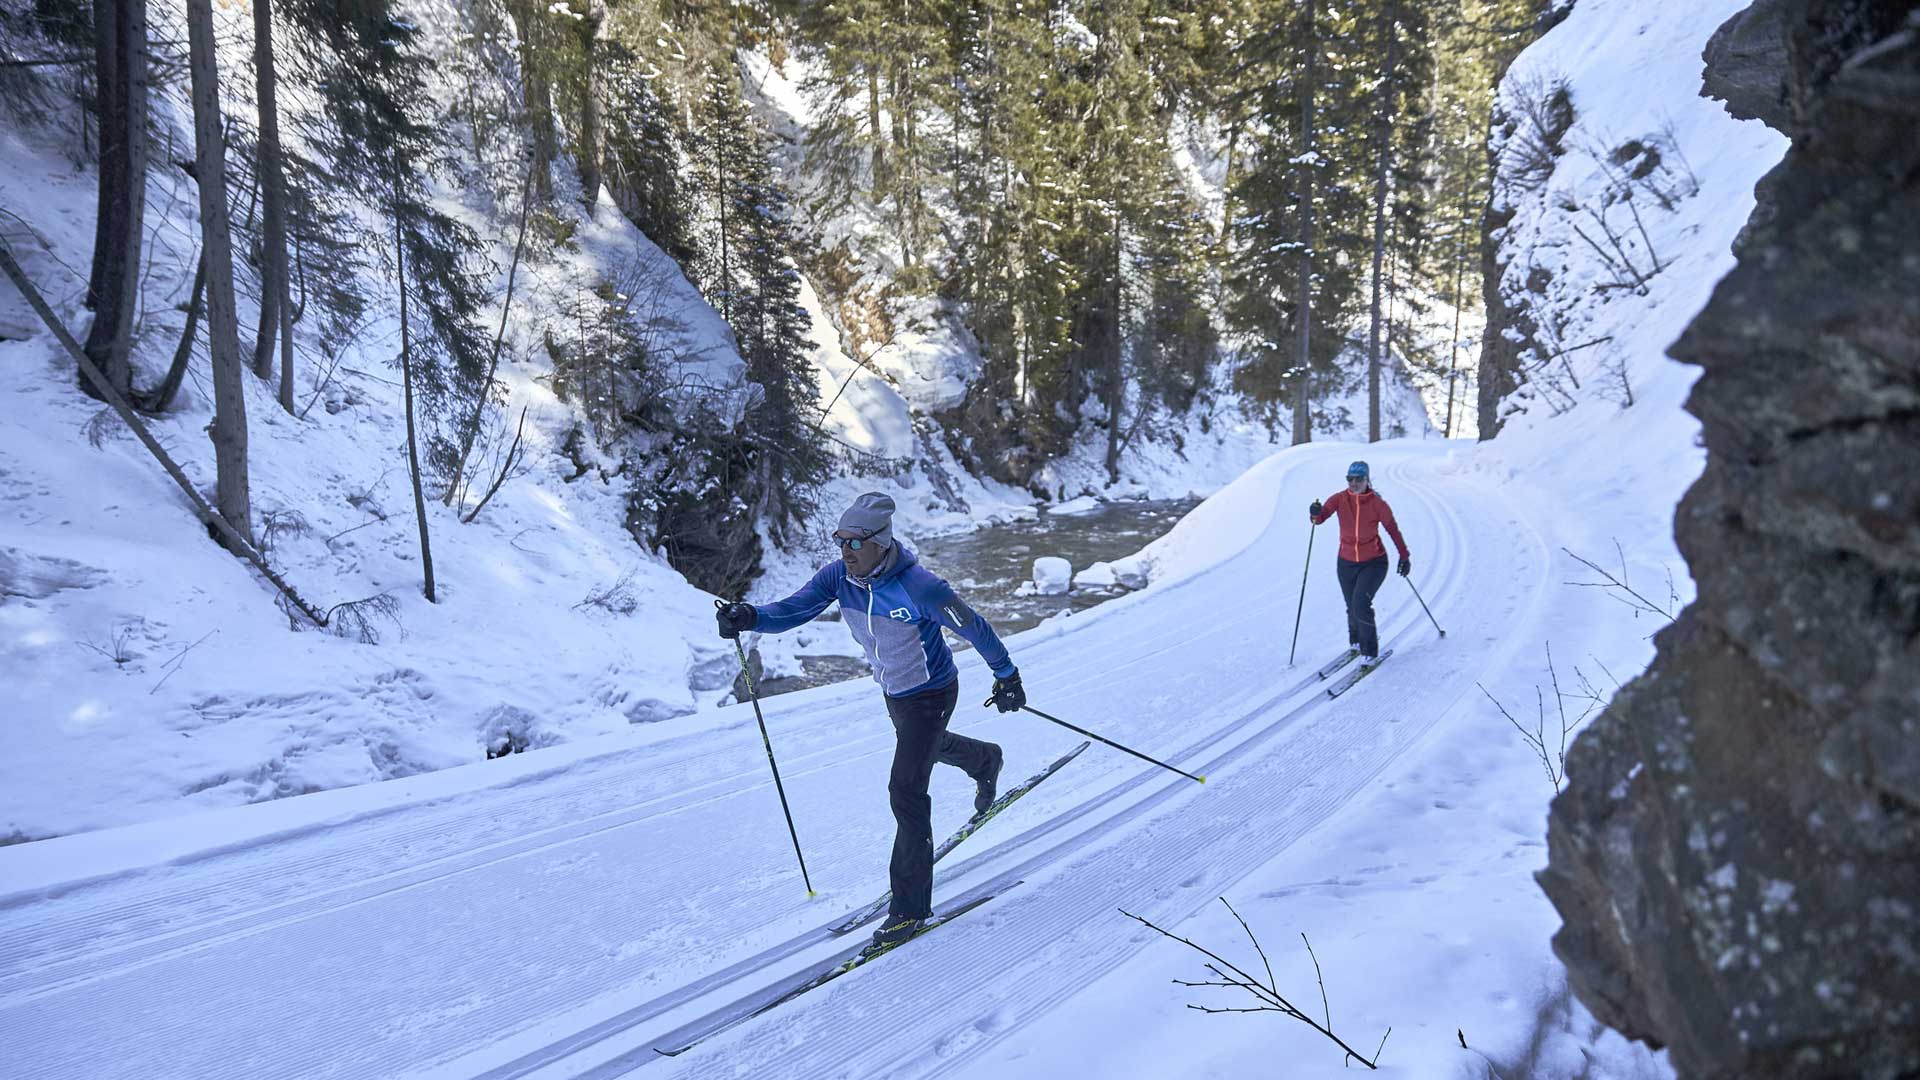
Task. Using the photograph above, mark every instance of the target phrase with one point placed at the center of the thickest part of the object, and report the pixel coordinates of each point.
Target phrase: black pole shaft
(1423, 605)
(1303, 594)
(754, 694)
(1115, 745)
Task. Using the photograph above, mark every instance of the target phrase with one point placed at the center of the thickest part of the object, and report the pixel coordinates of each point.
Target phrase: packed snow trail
(564, 923)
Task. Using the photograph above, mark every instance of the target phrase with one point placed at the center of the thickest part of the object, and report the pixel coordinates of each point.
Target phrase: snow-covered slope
(148, 674)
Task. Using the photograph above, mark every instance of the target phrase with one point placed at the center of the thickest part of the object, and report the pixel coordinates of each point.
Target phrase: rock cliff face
(1510, 326)
(1737, 856)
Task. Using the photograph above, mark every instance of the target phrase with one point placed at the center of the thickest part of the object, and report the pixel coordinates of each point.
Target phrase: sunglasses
(1356, 479)
(854, 543)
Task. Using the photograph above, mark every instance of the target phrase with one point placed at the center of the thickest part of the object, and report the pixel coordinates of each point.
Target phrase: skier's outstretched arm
(802, 606)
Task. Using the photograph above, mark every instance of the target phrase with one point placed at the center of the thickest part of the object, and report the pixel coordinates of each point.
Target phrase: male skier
(896, 608)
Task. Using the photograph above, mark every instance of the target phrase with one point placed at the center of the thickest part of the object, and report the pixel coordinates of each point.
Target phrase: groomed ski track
(565, 922)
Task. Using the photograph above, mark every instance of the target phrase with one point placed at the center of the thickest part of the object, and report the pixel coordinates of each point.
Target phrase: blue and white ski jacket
(896, 616)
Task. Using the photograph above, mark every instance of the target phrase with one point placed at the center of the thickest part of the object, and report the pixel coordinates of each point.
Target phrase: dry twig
(1267, 996)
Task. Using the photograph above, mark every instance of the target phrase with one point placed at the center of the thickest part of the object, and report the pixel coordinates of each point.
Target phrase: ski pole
(1303, 595)
(754, 694)
(1423, 604)
(1109, 742)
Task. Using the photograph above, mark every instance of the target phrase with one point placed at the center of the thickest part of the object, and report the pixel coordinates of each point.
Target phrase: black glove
(1314, 511)
(1008, 694)
(734, 618)
(1406, 565)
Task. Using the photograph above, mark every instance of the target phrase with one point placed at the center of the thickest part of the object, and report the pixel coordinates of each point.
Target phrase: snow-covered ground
(563, 912)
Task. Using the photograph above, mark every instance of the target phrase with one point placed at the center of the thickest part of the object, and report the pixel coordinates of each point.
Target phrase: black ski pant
(1358, 582)
(921, 738)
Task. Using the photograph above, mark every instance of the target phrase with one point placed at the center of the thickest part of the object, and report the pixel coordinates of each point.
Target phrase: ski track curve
(420, 938)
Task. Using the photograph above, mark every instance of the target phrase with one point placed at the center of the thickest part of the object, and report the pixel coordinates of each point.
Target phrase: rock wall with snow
(1735, 855)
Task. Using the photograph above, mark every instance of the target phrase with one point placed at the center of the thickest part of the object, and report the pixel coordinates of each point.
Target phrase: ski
(1346, 681)
(833, 970)
(1338, 662)
(874, 910)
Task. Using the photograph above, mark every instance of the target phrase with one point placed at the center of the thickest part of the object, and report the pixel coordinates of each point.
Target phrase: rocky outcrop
(1737, 855)
(1747, 64)
(1510, 329)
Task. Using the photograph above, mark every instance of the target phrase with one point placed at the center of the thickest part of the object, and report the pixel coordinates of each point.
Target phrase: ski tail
(820, 976)
(1338, 662)
(1346, 681)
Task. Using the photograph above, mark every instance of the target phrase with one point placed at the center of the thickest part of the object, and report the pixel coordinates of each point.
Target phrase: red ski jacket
(1360, 519)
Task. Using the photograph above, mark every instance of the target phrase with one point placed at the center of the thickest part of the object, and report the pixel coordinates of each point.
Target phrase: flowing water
(987, 566)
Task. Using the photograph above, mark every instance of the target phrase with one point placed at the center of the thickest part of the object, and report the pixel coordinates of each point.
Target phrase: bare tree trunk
(1116, 366)
(535, 97)
(1302, 406)
(916, 178)
(1226, 197)
(286, 341)
(274, 292)
(183, 353)
(1453, 361)
(879, 168)
(726, 256)
(1381, 173)
(406, 379)
(457, 482)
(223, 327)
(591, 118)
(113, 292)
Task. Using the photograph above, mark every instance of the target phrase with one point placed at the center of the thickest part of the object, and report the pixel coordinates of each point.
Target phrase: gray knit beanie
(871, 516)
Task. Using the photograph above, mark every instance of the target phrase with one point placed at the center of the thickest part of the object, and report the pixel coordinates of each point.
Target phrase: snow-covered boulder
(1098, 576)
(1104, 577)
(1085, 504)
(1052, 575)
(1132, 572)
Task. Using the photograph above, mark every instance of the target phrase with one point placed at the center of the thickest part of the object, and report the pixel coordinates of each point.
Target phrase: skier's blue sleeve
(802, 606)
(938, 599)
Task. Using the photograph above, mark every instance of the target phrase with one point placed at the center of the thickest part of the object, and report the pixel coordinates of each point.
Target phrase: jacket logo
(900, 613)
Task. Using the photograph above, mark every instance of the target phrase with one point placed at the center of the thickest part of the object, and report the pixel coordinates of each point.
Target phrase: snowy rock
(1098, 576)
(650, 710)
(1052, 575)
(710, 667)
(1134, 571)
(510, 729)
(1085, 504)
